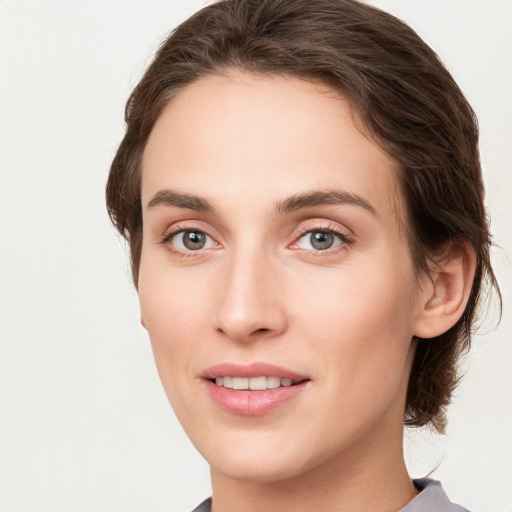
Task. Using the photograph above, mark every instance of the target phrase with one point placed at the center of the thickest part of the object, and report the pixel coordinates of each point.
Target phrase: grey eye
(191, 240)
(194, 239)
(319, 240)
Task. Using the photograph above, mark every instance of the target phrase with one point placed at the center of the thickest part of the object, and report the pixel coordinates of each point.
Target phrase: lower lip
(252, 403)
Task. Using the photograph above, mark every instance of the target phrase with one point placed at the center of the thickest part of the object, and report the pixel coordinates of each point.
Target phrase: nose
(251, 304)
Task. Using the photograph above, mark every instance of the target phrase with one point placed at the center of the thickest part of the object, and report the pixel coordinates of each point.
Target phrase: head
(398, 97)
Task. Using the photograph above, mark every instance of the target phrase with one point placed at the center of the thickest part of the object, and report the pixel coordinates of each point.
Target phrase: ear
(142, 322)
(445, 292)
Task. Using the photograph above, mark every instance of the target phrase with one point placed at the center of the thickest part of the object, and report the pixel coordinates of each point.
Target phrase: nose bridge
(250, 302)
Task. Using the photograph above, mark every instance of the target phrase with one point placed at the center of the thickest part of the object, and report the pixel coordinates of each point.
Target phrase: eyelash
(345, 239)
(177, 229)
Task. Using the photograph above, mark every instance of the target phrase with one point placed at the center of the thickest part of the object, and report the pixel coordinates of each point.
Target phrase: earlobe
(446, 292)
(142, 322)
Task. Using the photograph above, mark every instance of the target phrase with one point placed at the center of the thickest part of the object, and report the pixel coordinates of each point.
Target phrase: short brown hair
(408, 102)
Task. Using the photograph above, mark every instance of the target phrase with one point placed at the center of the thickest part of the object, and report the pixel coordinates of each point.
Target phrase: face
(272, 259)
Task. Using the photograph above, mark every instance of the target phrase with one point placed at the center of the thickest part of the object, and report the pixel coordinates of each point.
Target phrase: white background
(84, 423)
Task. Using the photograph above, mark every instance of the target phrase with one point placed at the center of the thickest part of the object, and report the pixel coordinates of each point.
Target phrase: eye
(190, 240)
(320, 240)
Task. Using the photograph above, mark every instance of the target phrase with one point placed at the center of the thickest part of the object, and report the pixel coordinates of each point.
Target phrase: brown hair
(407, 100)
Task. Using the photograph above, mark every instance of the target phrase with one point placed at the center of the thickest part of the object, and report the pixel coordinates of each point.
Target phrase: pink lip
(250, 370)
(252, 403)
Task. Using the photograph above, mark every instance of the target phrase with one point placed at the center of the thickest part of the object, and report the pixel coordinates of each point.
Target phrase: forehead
(252, 138)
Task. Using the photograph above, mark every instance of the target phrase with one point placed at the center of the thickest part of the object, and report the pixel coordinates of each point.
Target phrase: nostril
(260, 332)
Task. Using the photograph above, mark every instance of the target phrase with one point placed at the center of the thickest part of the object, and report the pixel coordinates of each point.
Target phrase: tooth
(227, 382)
(218, 381)
(240, 382)
(258, 383)
(286, 382)
(273, 382)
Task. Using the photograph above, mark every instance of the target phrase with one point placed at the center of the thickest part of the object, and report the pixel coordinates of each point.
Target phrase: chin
(256, 469)
(261, 458)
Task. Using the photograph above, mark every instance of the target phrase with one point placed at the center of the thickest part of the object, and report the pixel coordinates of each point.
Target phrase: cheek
(173, 320)
(170, 298)
(174, 310)
(363, 298)
(361, 321)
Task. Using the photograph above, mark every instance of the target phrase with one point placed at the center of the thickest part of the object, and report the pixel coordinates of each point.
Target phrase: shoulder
(431, 498)
(205, 506)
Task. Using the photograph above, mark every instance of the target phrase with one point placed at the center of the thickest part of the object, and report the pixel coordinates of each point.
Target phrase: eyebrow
(294, 203)
(180, 200)
(322, 198)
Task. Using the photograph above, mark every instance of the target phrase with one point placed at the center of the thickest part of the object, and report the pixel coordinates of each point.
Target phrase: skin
(260, 291)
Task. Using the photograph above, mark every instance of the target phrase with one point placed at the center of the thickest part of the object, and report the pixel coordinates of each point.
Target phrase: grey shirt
(431, 498)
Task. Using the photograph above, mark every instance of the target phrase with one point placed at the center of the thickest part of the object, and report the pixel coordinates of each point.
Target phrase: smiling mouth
(260, 383)
(253, 389)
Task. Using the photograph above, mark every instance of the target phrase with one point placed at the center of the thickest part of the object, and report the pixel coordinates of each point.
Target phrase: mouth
(254, 389)
(259, 383)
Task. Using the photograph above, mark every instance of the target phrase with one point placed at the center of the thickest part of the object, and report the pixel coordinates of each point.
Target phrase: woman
(301, 190)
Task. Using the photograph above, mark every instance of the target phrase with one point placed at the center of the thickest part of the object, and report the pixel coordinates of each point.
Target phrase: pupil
(194, 240)
(322, 240)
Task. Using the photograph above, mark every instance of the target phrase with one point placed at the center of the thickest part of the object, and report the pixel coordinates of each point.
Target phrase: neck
(368, 477)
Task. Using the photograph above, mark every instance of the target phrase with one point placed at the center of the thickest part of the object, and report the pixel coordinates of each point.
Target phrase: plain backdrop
(84, 423)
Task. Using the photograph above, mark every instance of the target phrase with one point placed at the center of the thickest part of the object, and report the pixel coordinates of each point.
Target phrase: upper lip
(251, 370)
